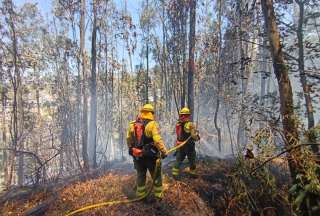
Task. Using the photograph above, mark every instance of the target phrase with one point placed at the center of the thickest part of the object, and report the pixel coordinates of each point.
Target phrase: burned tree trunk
(17, 106)
(93, 91)
(285, 89)
(216, 125)
(192, 42)
(303, 77)
(84, 88)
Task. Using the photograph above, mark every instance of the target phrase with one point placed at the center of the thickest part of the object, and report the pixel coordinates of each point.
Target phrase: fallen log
(40, 209)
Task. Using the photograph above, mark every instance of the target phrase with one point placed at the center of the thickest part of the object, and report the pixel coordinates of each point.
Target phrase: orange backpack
(139, 127)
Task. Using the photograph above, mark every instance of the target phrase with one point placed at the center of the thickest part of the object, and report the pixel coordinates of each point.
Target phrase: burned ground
(213, 191)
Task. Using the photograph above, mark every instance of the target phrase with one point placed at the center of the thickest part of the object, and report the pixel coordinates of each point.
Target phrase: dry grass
(179, 199)
(209, 193)
(19, 207)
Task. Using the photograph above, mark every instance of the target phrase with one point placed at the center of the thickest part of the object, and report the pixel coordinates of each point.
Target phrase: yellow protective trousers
(142, 165)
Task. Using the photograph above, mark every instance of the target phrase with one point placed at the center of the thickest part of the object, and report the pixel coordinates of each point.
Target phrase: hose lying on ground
(126, 201)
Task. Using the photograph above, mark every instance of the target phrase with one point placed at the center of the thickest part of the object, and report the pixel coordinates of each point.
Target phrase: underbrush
(221, 187)
(259, 193)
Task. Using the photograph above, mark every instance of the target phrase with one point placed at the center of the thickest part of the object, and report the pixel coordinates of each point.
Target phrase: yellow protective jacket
(190, 127)
(151, 131)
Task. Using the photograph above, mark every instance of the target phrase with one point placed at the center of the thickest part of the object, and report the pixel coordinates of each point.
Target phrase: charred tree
(93, 92)
(216, 125)
(192, 41)
(17, 105)
(285, 89)
(84, 87)
(303, 77)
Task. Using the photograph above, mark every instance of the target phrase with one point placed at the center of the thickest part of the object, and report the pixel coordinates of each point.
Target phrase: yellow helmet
(147, 108)
(184, 111)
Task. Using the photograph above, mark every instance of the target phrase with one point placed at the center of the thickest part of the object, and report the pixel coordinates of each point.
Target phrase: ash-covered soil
(207, 193)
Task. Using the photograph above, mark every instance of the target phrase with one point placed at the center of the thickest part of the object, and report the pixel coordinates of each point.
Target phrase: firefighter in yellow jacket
(145, 146)
(185, 129)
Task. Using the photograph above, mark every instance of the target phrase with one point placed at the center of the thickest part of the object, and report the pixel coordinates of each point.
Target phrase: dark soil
(210, 192)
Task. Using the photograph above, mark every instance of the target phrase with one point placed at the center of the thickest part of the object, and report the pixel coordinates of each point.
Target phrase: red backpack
(179, 130)
(182, 135)
(139, 127)
(142, 143)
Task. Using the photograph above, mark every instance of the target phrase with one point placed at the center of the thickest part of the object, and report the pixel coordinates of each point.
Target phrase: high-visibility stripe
(158, 194)
(157, 188)
(141, 191)
(124, 201)
(141, 194)
(175, 171)
(141, 188)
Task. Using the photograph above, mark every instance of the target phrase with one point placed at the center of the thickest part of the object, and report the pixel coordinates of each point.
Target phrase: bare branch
(281, 153)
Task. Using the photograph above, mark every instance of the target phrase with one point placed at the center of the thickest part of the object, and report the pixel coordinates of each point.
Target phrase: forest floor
(209, 193)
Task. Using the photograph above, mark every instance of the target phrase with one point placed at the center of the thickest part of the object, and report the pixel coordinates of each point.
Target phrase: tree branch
(290, 56)
(281, 153)
(291, 27)
(24, 152)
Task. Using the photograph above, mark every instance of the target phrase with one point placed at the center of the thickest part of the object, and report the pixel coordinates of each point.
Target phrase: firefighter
(184, 129)
(146, 146)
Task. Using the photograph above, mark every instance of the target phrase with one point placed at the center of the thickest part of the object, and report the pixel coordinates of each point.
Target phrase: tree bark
(17, 106)
(263, 76)
(20, 132)
(93, 91)
(147, 58)
(183, 23)
(284, 84)
(192, 41)
(229, 130)
(84, 88)
(303, 77)
(241, 132)
(4, 162)
(218, 129)
(77, 127)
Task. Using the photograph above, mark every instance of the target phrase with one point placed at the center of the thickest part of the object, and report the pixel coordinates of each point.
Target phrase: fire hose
(127, 201)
